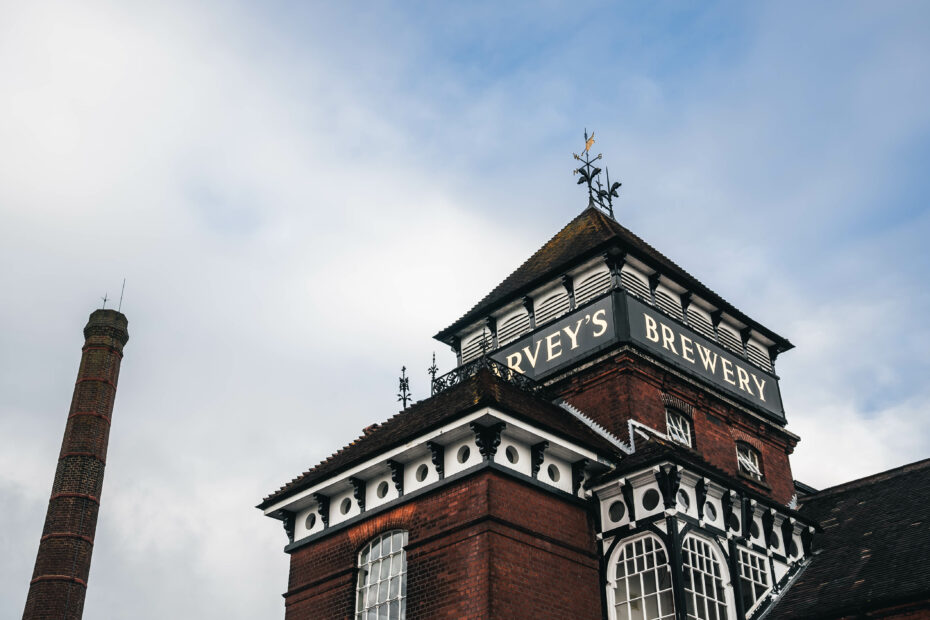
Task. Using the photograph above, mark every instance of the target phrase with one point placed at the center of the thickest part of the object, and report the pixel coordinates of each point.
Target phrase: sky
(300, 195)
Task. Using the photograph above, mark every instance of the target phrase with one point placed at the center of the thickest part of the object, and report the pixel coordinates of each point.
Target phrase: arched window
(642, 582)
(705, 593)
(749, 461)
(382, 578)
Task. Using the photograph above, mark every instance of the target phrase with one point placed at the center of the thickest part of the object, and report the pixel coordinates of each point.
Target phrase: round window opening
(616, 511)
(345, 506)
(512, 455)
(650, 499)
(382, 489)
(773, 540)
(684, 500)
(710, 512)
(554, 473)
(310, 522)
(754, 530)
(463, 454)
(422, 471)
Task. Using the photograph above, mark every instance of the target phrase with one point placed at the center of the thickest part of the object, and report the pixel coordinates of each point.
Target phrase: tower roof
(591, 233)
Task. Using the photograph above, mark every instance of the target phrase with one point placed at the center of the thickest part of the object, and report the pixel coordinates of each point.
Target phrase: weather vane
(588, 173)
(404, 386)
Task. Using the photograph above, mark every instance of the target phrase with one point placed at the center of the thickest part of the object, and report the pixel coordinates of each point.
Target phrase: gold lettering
(573, 334)
(686, 348)
(727, 366)
(532, 356)
(651, 331)
(513, 362)
(600, 322)
(668, 338)
(710, 363)
(743, 378)
(550, 346)
(761, 386)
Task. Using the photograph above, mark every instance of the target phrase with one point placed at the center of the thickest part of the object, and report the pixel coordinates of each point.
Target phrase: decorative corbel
(456, 343)
(744, 335)
(487, 438)
(397, 476)
(653, 284)
(727, 504)
(669, 479)
(787, 535)
(491, 324)
(700, 492)
(537, 456)
(288, 523)
(615, 264)
(768, 528)
(322, 503)
(528, 304)
(807, 539)
(358, 490)
(685, 304)
(569, 285)
(437, 453)
(715, 317)
(578, 470)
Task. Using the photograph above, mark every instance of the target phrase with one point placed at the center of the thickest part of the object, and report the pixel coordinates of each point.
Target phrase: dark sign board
(619, 317)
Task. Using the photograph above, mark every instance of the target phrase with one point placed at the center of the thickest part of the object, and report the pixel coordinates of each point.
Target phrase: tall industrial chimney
(59, 580)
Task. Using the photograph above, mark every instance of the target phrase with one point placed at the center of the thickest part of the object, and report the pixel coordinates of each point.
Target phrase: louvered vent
(669, 304)
(592, 286)
(513, 328)
(473, 348)
(553, 307)
(701, 324)
(635, 285)
(758, 357)
(729, 340)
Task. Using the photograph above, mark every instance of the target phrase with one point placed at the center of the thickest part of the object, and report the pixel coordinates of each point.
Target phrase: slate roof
(588, 235)
(874, 549)
(481, 390)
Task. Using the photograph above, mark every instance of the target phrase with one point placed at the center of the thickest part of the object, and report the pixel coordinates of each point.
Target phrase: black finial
(404, 386)
(590, 174)
(484, 342)
(432, 370)
(104, 298)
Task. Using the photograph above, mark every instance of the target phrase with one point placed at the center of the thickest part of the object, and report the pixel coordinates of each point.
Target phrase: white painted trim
(421, 440)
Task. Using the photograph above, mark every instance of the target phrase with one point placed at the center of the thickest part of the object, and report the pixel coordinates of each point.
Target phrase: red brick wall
(59, 580)
(628, 387)
(474, 551)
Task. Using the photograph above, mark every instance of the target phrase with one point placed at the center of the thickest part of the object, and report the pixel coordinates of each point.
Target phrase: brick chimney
(59, 580)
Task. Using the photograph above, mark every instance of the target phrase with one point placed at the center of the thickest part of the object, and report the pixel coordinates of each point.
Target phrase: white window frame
(749, 461)
(642, 550)
(678, 427)
(381, 579)
(700, 560)
(754, 574)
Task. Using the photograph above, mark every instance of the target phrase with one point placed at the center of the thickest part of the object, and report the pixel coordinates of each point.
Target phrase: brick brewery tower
(611, 446)
(59, 581)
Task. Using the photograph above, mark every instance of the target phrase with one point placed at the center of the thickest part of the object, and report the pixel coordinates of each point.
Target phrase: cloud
(299, 199)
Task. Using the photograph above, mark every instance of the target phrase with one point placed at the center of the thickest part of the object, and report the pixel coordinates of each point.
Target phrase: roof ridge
(597, 428)
(894, 472)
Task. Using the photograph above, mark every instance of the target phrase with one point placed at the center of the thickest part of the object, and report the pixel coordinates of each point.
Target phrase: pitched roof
(482, 389)
(874, 547)
(588, 235)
